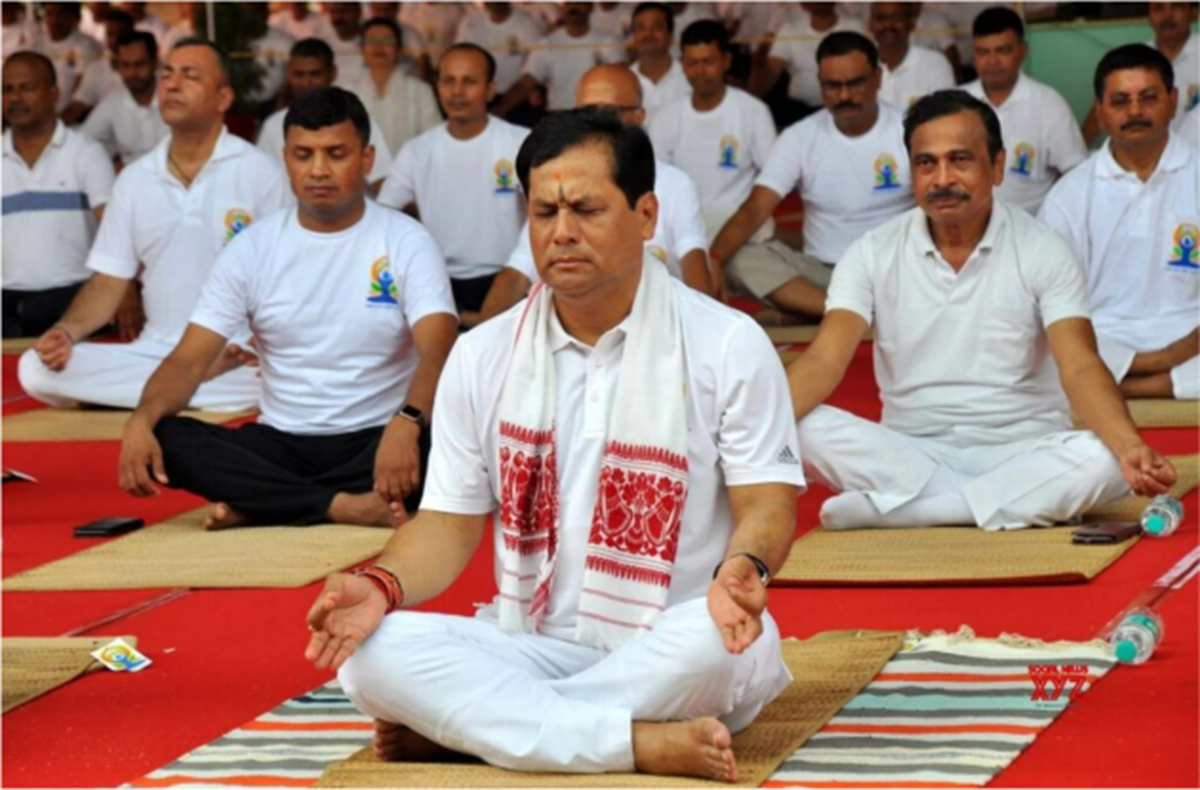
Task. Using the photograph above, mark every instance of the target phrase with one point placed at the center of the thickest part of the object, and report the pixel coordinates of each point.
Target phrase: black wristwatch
(764, 572)
(414, 414)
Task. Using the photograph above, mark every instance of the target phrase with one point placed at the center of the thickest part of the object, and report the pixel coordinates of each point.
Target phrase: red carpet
(224, 657)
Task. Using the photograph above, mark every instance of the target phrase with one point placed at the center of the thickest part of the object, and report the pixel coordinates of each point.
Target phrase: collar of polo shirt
(923, 239)
(1174, 156)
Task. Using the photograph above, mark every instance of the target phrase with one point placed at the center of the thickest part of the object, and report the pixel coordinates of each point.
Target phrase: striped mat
(948, 711)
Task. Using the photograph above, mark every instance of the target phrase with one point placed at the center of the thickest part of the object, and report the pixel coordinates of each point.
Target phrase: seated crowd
(447, 314)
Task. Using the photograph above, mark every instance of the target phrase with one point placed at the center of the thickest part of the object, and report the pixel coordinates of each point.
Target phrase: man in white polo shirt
(310, 66)
(909, 71)
(464, 168)
(127, 122)
(560, 60)
(1132, 215)
(661, 75)
(849, 165)
(980, 317)
(680, 238)
(56, 183)
(720, 136)
(171, 212)
(634, 442)
(352, 315)
(1041, 135)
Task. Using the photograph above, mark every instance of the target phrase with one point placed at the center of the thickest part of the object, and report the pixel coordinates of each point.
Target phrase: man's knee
(37, 380)
(386, 659)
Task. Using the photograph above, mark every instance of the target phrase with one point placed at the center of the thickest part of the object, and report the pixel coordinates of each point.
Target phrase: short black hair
(466, 46)
(322, 107)
(1133, 56)
(119, 17)
(662, 8)
(223, 60)
(313, 48)
(939, 104)
(46, 65)
(996, 20)
(706, 31)
(140, 37)
(632, 153)
(382, 21)
(843, 43)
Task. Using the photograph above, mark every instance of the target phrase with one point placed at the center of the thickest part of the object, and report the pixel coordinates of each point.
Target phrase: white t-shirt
(692, 12)
(98, 81)
(332, 314)
(177, 233)
(1137, 241)
(1189, 128)
(722, 149)
(436, 22)
(742, 432)
(796, 45)
(963, 356)
(616, 21)
(508, 41)
(347, 56)
(272, 52)
(1041, 137)
(933, 30)
(1187, 76)
(680, 227)
(559, 61)
(271, 140)
(313, 25)
(672, 86)
(406, 109)
(466, 192)
(49, 219)
(922, 72)
(850, 185)
(21, 36)
(754, 20)
(156, 27)
(124, 127)
(70, 57)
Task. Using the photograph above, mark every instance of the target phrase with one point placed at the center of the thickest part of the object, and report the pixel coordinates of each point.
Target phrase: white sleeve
(91, 84)
(95, 169)
(783, 170)
(663, 134)
(400, 188)
(428, 113)
(426, 285)
(271, 140)
(457, 480)
(1057, 282)
(114, 252)
(276, 189)
(756, 439)
(685, 221)
(1067, 148)
(383, 154)
(763, 135)
(942, 73)
(539, 65)
(1056, 214)
(851, 287)
(610, 51)
(224, 304)
(99, 127)
(522, 255)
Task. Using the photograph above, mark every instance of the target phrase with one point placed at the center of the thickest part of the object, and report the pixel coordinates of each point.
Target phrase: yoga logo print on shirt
(658, 252)
(383, 287)
(236, 221)
(1193, 96)
(506, 182)
(1023, 156)
(887, 173)
(1183, 251)
(729, 152)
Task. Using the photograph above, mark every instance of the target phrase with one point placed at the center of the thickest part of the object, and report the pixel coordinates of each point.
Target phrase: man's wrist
(71, 335)
(387, 583)
(761, 568)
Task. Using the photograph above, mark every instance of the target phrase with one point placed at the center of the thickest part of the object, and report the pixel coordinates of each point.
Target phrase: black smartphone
(1106, 533)
(108, 527)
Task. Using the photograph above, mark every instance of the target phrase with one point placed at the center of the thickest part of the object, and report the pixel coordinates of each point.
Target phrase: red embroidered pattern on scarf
(620, 570)
(529, 489)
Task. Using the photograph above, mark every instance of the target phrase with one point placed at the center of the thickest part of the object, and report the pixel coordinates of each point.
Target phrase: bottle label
(1148, 622)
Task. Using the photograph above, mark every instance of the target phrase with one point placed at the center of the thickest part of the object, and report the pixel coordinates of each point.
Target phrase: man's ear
(647, 211)
(998, 167)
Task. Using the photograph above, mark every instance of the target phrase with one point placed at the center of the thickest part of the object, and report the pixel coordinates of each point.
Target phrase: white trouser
(114, 375)
(1039, 481)
(530, 702)
(1118, 358)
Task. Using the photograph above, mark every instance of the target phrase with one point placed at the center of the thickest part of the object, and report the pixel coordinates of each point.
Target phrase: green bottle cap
(1155, 524)
(1126, 651)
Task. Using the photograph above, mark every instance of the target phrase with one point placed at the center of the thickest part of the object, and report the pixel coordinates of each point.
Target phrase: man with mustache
(632, 443)
(1040, 133)
(1132, 215)
(464, 168)
(171, 213)
(980, 316)
(849, 165)
(353, 320)
(56, 184)
(909, 71)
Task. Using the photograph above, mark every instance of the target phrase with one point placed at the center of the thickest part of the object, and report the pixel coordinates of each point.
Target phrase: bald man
(680, 239)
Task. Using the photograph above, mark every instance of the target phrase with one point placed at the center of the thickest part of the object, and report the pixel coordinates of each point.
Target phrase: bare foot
(224, 517)
(363, 510)
(396, 743)
(701, 747)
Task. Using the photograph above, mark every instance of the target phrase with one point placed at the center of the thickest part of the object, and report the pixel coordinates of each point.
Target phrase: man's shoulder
(807, 128)
(427, 139)
(401, 231)
(1043, 93)
(1073, 184)
(705, 317)
(975, 88)
(670, 179)
(510, 133)
(745, 101)
(891, 118)
(890, 234)
(76, 143)
(493, 338)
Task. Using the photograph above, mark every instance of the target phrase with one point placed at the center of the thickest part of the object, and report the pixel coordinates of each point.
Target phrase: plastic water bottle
(1162, 516)
(1138, 635)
